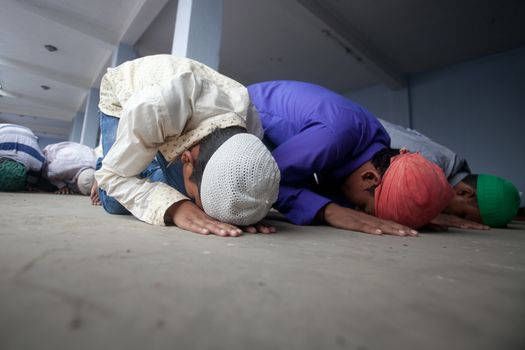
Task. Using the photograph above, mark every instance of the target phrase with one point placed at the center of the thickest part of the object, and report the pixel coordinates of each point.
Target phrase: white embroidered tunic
(169, 104)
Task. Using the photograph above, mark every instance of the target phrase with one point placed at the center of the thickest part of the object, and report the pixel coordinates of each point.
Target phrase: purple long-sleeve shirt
(312, 130)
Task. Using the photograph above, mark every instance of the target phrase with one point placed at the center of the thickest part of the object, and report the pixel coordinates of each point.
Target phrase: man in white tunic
(179, 109)
(70, 166)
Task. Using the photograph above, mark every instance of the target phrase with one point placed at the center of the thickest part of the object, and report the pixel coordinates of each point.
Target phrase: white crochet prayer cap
(85, 181)
(240, 182)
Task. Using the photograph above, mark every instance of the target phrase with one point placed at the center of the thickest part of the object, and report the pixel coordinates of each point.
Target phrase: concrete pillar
(123, 53)
(76, 129)
(198, 29)
(89, 136)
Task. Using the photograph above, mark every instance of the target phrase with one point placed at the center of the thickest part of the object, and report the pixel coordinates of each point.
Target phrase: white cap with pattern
(240, 182)
(85, 181)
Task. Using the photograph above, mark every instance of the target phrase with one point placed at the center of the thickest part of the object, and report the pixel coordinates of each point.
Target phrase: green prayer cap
(12, 176)
(498, 200)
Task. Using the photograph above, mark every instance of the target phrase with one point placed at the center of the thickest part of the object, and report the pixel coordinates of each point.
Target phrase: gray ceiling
(344, 45)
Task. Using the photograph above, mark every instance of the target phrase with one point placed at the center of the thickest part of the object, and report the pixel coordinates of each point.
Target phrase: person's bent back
(21, 159)
(169, 105)
(322, 141)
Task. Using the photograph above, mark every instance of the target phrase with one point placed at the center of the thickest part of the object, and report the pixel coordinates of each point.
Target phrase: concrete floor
(72, 277)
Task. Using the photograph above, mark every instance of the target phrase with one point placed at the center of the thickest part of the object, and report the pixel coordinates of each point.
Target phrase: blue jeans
(157, 171)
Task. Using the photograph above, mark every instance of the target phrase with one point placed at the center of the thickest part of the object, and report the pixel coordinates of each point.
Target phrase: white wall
(391, 105)
(44, 140)
(476, 108)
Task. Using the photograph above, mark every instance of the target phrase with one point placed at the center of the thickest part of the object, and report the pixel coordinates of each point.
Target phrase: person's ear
(464, 190)
(371, 177)
(186, 157)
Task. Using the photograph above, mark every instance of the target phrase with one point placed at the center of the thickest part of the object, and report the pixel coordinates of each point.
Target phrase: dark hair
(208, 145)
(381, 160)
(471, 180)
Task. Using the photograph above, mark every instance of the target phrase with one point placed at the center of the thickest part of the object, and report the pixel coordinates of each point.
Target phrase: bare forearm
(350, 219)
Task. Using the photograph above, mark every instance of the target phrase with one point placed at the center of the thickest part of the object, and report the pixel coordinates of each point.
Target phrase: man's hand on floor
(259, 227)
(63, 190)
(188, 216)
(349, 219)
(95, 199)
(447, 220)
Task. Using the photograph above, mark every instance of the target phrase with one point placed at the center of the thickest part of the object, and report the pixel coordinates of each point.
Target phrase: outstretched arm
(447, 220)
(350, 219)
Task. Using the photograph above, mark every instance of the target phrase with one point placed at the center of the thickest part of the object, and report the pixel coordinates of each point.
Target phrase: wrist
(169, 214)
(321, 214)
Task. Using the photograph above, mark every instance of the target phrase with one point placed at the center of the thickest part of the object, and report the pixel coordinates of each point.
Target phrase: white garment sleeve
(147, 121)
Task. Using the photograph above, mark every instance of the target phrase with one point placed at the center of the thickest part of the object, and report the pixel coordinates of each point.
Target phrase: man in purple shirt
(319, 139)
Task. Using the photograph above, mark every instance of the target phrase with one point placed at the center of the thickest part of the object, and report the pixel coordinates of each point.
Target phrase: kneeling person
(337, 166)
(181, 109)
(70, 166)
